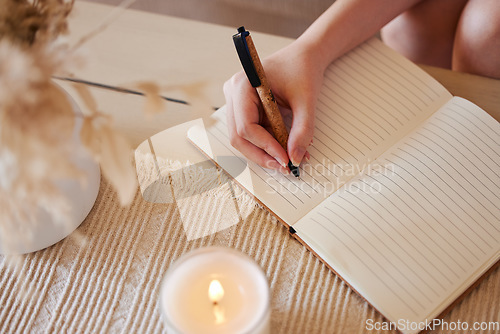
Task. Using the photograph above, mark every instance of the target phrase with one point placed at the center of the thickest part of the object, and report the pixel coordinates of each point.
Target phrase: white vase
(45, 230)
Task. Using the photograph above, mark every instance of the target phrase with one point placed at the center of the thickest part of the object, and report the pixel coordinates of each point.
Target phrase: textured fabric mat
(105, 278)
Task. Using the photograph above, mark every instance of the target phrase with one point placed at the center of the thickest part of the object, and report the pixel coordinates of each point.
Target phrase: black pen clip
(245, 58)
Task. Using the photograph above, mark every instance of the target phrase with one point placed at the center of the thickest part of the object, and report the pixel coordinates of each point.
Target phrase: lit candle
(215, 290)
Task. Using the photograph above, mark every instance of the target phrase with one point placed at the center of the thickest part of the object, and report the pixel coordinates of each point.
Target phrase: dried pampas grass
(27, 22)
(36, 118)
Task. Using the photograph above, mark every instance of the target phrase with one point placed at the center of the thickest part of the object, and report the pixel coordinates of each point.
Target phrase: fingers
(245, 132)
(253, 140)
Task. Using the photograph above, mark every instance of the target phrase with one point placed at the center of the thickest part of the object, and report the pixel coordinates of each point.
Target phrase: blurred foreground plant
(37, 119)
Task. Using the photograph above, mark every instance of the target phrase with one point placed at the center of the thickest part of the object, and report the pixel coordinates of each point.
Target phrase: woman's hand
(295, 77)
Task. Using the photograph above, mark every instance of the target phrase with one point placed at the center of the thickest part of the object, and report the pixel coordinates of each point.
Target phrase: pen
(255, 72)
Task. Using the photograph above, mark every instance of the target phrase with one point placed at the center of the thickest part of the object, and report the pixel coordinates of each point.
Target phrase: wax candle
(215, 290)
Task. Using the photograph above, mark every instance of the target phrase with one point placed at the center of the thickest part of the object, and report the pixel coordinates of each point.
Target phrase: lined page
(423, 223)
(370, 99)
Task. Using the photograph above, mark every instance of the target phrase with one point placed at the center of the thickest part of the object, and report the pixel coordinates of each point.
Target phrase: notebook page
(370, 98)
(423, 224)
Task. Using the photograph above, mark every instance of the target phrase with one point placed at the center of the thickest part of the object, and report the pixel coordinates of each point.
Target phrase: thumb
(301, 133)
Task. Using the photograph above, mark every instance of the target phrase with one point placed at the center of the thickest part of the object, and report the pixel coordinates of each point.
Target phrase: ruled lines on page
(415, 231)
(370, 98)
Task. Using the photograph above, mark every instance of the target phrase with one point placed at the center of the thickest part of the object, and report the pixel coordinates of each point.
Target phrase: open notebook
(401, 194)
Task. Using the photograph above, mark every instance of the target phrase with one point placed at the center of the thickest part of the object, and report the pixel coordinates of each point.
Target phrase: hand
(295, 77)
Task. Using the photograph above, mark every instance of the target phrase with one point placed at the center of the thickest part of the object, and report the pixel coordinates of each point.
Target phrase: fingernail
(281, 162)
(307, 156)
(297, 157)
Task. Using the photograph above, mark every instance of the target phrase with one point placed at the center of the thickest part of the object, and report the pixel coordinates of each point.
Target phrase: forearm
(348, 23)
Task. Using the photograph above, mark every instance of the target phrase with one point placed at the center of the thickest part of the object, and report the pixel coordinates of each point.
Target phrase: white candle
(215, 290)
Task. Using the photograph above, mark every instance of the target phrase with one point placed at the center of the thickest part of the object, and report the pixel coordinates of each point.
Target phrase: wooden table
(107, 279)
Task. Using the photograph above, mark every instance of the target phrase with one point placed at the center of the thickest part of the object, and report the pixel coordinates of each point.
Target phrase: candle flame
(215, 291)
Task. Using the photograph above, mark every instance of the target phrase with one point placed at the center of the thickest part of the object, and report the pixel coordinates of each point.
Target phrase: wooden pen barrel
(269, 103)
